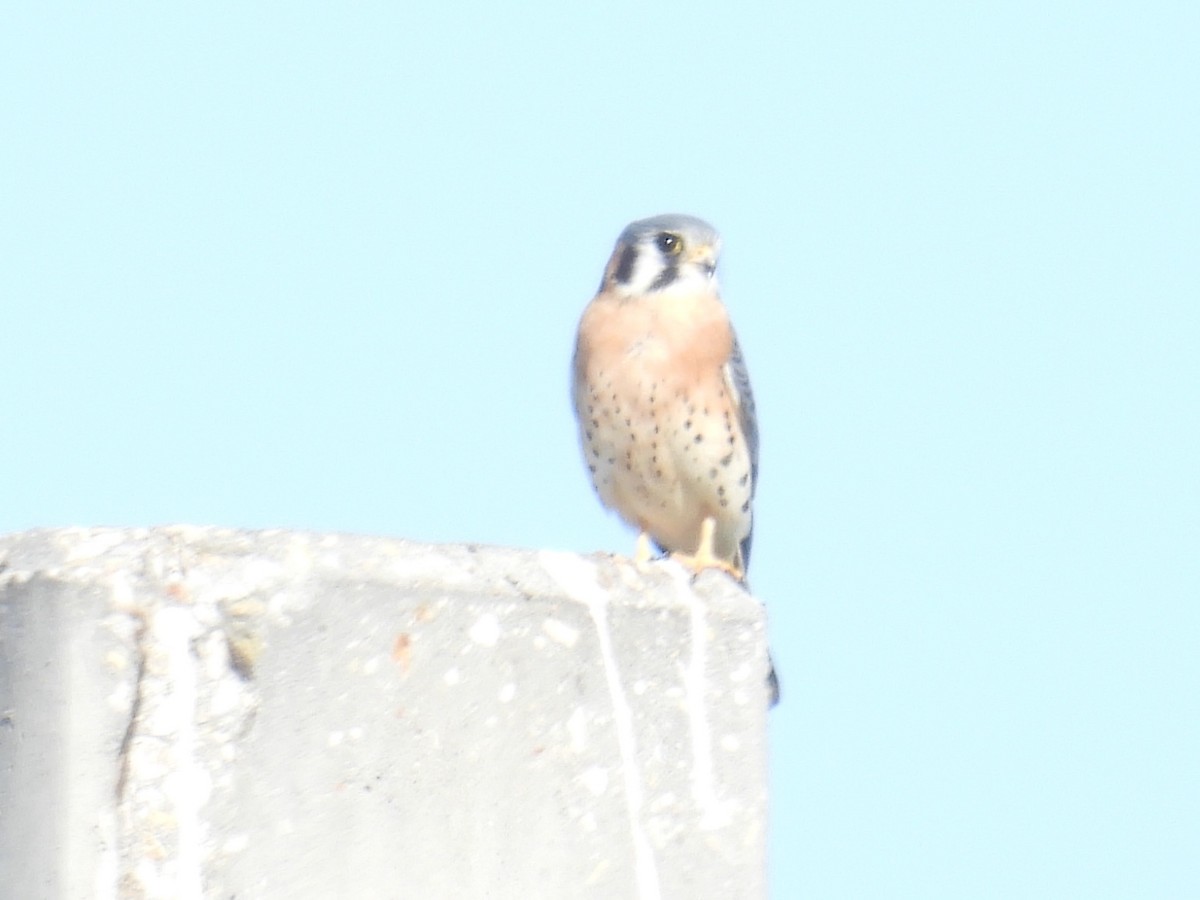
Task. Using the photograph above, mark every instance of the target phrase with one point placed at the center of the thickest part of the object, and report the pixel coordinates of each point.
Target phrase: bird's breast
(683, 337)
(657, 422)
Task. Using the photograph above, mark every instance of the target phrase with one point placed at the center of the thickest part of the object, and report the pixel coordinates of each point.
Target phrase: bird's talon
(705, 557)
(643, 553)
(697, 564)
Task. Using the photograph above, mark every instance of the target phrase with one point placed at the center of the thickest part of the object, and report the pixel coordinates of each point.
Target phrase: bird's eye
(670, 244)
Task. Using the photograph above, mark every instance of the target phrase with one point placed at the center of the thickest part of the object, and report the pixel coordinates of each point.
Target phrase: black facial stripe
(665, 277)
(624, 270)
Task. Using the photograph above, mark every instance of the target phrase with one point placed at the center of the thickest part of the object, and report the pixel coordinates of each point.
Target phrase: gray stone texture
(197, 712)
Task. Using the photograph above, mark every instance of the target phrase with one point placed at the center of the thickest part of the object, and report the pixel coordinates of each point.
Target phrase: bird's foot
(705, 557)
(644, 552)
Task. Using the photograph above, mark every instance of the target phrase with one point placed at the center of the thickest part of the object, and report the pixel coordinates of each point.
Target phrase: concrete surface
(197, 712)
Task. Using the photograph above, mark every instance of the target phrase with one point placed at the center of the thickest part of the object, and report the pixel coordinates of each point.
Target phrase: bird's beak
(705, 256)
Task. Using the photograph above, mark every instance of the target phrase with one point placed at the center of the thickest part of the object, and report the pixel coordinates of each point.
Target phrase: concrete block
(198, 712)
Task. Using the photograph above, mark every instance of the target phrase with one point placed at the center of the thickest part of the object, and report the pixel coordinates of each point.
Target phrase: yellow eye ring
(669, 244)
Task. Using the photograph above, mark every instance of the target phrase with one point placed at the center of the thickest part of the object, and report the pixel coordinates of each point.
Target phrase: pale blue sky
(320, 266)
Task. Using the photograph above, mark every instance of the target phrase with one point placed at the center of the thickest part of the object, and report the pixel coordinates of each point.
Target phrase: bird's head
(670, 253)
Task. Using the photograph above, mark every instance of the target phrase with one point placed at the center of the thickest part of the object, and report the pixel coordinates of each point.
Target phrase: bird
(662, 397)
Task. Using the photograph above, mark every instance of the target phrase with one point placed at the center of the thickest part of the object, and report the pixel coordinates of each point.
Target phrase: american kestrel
(661, 392)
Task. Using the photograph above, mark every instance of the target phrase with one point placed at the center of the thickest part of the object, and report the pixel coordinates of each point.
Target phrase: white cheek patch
(646, 269)
(649, 266)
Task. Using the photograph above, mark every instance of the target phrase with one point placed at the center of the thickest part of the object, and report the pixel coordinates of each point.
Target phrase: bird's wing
(737, 377)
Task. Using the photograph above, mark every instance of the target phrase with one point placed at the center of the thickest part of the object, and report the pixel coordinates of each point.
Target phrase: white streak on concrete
(578, 578)
(104, 884)
(188, 786)
(713, 813)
